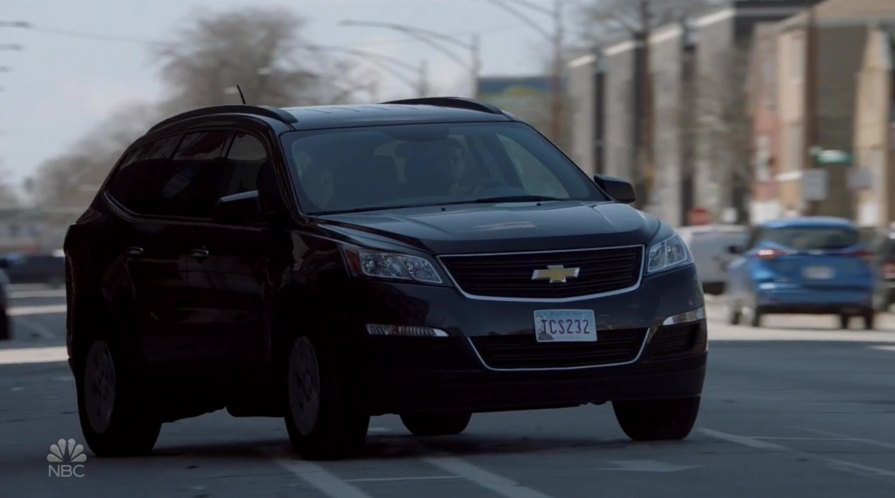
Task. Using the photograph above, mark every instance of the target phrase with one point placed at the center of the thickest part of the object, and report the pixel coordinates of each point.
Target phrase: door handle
(199, 253)
(134, 251)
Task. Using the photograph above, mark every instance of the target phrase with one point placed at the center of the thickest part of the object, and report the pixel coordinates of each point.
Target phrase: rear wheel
(756, 317)
(660, 419)
(442, 424)
(869, 320)
(734, 313)
(113, 419)
(844, 321)
(320, 420)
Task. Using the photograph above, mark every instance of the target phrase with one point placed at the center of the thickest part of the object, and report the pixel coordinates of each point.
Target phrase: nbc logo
(66, 459)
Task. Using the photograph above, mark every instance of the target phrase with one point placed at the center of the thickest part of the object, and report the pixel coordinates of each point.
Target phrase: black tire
(869, 320)
(756, 317)
(844, 321)
(321, 421)
(5, 326)
(656, 420)
(734, 313)
(441, 424)
(120, 426)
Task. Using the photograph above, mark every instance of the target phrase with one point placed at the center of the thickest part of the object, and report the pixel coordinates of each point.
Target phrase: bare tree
(606, 21)
(68, 182)
(261, 50)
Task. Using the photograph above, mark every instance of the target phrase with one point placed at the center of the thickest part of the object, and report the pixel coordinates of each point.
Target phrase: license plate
(565, 326)
(818, 272)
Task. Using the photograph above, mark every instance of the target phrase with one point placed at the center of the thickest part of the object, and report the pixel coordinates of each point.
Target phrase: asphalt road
(797, 408)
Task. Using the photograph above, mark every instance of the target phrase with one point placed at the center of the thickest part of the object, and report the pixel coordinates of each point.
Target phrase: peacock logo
(66, 459)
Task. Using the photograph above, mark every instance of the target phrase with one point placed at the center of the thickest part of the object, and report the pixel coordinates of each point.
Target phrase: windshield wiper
(515, 198)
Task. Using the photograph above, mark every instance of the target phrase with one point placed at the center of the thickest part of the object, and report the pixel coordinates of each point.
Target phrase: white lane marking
(843, 465)
(388, 479)
(741, 440)
(39, 329)
(843, 437)
(488, 480)
(859, 469)
(37, 310)
(21, 356)
(25, 294)
(645, 466)
(883, 348)
(321, 479)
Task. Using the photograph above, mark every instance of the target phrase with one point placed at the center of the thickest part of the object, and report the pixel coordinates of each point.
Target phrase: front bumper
(425, 374)
(795, 299)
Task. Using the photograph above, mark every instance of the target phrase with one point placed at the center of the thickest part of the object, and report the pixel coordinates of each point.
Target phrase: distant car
(883, 247)
(803, 265)
(4, 317)
(36, 268)
(709, 245)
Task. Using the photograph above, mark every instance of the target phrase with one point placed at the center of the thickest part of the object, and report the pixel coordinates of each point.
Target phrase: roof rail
(257, 110)
(455, 102)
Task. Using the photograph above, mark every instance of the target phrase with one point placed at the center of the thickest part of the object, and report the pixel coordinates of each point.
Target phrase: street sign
(814, 184)
(830, 156)
(699, 216)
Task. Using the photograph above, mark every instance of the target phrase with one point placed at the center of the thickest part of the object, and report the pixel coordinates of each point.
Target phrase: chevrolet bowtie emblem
(557, 274)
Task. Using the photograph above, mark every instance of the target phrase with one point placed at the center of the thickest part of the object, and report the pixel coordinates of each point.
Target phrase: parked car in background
(882, 244)
(709, 245)
(4, 316)
(36, 268)
(803, 265)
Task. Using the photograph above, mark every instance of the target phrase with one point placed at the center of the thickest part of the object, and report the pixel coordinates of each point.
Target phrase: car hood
(504, 227)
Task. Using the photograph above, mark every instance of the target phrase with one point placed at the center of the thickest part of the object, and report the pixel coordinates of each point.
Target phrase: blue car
(803, 265)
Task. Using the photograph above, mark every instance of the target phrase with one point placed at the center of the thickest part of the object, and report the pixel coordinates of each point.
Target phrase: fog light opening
(687, 317)
(404, 331)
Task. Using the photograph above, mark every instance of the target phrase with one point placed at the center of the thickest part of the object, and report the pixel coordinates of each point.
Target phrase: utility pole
(645, 154)
(556, 78)
(810, 126)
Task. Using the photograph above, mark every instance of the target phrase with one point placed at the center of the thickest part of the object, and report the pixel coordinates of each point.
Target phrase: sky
(62, 84)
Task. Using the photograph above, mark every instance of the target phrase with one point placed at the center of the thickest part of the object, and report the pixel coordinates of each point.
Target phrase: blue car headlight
(667, 254)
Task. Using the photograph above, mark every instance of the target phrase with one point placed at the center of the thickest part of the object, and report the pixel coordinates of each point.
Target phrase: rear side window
(145, 167)
(193, 176)
(810, 238)
(176, 176)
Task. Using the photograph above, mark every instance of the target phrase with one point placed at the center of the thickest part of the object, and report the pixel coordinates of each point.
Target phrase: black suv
(431, 258)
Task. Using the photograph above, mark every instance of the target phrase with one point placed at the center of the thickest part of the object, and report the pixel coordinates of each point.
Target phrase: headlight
(669, 253)
(391, 265)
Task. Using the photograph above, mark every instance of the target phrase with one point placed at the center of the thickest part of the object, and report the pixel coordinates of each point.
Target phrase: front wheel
(113, 419)
(442, 424)
(659, 419)
(4, 325)
(320, 419)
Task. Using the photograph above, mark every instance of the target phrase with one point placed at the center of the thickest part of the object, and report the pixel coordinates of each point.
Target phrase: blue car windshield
(810, 238)
(381, 167)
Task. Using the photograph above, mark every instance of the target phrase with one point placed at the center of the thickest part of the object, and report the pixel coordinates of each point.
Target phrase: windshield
(810, 238)
(381, 167)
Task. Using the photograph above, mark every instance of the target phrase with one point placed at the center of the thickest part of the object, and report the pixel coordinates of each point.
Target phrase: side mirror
(241, 208)
(4, 263)
(617, 188)
(735, 250)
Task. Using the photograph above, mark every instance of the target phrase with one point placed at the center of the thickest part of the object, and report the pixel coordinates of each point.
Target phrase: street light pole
(381, 61)
(435, 40)
(556, 40)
